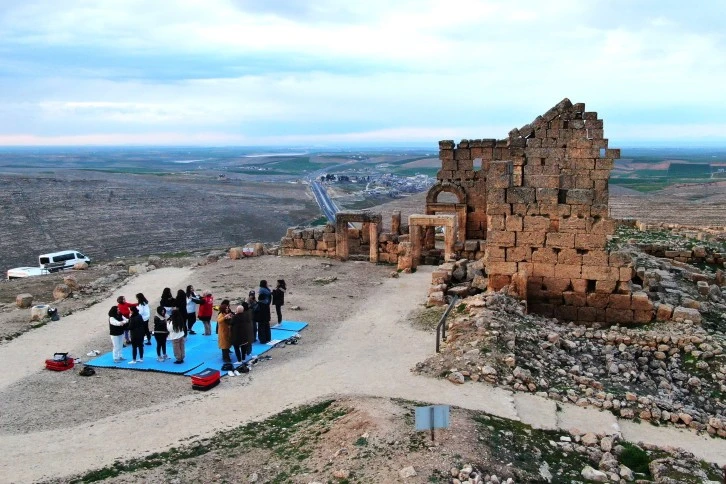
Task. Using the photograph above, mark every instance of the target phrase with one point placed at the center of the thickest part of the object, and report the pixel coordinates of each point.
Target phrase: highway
(327, 206)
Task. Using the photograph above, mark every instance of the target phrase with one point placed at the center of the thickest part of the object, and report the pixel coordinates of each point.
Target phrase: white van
(57, 261)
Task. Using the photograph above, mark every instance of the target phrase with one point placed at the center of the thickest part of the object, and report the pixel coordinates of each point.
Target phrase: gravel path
(370, 353)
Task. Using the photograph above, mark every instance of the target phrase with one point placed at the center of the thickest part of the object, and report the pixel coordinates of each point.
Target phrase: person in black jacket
(161, 332)
(278, 298)
(116, 327)
(180, 308)
(138, 329)
(242, 335)
(262, 313)
(167, 301)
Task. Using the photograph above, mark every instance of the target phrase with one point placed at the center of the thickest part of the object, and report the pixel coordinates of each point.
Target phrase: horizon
(240, 73)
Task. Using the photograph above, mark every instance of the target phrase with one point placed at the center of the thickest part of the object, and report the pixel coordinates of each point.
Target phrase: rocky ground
(372, 440)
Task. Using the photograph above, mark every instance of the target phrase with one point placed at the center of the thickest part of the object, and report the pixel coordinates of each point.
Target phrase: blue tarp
(200, 350)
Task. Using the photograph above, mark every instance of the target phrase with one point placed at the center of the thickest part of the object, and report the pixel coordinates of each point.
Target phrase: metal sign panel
(432, 417)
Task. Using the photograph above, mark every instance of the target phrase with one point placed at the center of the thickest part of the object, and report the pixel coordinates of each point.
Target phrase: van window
(80, 256)
(64, 257)
(44, 260)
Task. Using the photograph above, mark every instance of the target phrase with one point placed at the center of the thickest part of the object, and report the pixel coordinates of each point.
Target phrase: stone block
(501, 239)
(626, 274)
(587, 314)
(514, 223)
(24, 300)
(642, 316)
(495, 254)
(579, 285)
(555, 285)
(560, 240)
(286, 242)
(620, 259)
(569, 257)
(545, 255)
(566, 271)
(681, 313)
(575, 298)
(605, 286)
(543, 270)
(598, 300)
(524, 195)
(620, 301)
(614, 315)
(498, 281)
(574, 225)
(600, 273)
(664, 312)
(590, 241)
(530, 239)
(536, 223)
(506, 268)
(640, 301)
(566, 313)
(518, 254)
(548, 196)
(577, 196)
(595, 257)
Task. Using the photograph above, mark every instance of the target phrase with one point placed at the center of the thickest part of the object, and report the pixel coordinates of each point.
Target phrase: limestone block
(236, 253)
(579, 196)
(24, 300)
(80, 266)
(531, 239)
(681, 313)
(620, 301)
(590, 241)
(39, 312)
(70, 281)
(286, 242)
(560, 240)
(664, 312)
(524, 195)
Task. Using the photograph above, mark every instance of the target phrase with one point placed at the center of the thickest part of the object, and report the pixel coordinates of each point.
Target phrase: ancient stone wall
(540, 199)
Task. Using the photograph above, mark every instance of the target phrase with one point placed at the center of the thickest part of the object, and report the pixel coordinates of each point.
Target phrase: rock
(294, 308)
(393, 274)
(456, 377)
(259, 249)
(154, 259)
(454, 472)
(138, 269)
(80, 266)
(70, 281)
(590, 439)
(606, 444)
(626, 473)
(341, 474)
(324, 280)
(681, 313)
(254, 477)
(590, 474)
(39, 312)
(24, 300)
(407, 472)
(664, 312)
(61, 291)
(235, 253)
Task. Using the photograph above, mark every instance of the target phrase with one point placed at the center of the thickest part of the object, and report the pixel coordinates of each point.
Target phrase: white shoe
(132, 362)
(236, 373)
(140, 360)
(230, 373)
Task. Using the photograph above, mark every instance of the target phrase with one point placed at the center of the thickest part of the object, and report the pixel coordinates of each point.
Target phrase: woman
(167, 301)
(206, 308)
(180, 304)
(177, 327)
(278, 298)
(192, 300)
(116, 326)
(124, 309)
(224, 339)
(242, 336)
(138, 329)
(145, 312)
(161, 332)
(252, 305)
(262, 314)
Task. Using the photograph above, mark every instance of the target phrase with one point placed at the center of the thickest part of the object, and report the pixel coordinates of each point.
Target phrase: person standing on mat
(177, 327)
(241, 332)
(145, 312)
(224, 338)
(192, 300)
(278, 298)
(124, 308)
(262, 314)
(180, 303)
(252, 306)
(161, 332)
(167, 301)
(206, 309)
(138, 329)
(116, 326)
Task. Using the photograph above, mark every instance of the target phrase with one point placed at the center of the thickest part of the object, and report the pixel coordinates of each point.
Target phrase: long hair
(224, 306)
(141, 299)
(263, 283)
(113, 313)
(281, 283)
(190, 290)
(181, 298)
(134, 311)
(161, 311)
(178, 323)
(166, 293)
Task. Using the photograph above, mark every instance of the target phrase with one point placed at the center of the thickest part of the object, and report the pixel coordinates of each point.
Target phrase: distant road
(328, 207)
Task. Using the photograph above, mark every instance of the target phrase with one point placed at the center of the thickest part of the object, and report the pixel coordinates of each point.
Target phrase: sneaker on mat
(192, 332)
(132, 362)
(236, 373)
(140, 360)
(178, 362)
(148, 343)
(231, 373)
(116, 360)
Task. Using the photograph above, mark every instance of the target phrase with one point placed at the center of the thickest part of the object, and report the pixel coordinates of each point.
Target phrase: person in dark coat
(138, 328)
(242, 336)
(262, 313)
(161, 332)
(278, 298)
(180, 306)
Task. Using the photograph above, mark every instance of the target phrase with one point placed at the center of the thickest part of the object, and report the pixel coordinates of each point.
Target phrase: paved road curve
(328, 207)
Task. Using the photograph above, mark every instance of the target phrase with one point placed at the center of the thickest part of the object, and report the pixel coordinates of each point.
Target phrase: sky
(342, 72)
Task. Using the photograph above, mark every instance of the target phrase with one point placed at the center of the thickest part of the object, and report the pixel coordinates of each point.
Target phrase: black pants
(191, 319)
(225, 356)
(241, 351)
(263, 331)
(148, 333)
(278, 309)
(160, 343)
(137, 345)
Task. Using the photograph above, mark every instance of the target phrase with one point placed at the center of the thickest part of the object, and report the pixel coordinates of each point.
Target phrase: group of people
(175, 318)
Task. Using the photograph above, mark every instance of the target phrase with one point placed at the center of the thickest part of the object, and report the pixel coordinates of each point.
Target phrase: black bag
(53, 314)
(228, 367)
(87, 371)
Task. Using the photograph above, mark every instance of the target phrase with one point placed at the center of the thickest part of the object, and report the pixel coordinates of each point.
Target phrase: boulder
(681, 313)
(70, 281)
(24, 300)
(80, 266)
(407, 472)
(235, 253)
(39, 312)
(259, 249)
(61, 291)
(138, 269)
(590, 474)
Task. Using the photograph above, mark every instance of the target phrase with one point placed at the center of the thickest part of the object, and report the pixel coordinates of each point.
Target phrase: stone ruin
(533, 207)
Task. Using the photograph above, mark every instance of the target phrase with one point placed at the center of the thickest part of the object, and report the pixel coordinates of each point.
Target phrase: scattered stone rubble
(669, 373)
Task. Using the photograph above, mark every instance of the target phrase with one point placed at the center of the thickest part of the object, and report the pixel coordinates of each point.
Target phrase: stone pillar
(396, 222)
(449, 239)
(341, 239)
(461, 220)
(415, 239)
(373, 238)
(429, 238)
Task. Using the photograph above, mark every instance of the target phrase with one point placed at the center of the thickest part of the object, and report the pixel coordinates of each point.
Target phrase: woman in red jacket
(206, 308)
(124, 309)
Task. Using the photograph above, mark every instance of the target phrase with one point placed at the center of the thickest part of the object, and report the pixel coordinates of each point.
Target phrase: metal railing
(441, 327)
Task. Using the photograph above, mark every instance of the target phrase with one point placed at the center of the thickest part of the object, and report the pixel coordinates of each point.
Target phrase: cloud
(280, 69)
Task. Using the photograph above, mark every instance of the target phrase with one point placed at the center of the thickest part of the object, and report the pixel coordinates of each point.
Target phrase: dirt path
(370, 354)
(29, 351)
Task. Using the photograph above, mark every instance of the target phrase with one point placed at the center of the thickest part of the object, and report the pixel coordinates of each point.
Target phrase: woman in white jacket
(116, 326)
(192, 300)
(145, 313)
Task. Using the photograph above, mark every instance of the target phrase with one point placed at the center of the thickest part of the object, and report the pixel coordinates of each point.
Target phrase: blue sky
(317, 72)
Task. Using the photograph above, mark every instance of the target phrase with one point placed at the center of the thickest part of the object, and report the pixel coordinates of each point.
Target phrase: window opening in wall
(590, 285)
(565, 124)
(477, 164)
(447, 197)
(602, 152)
(562, 196)
(542, 161)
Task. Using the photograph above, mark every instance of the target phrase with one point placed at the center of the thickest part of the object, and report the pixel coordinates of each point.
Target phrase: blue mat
(291, 325)
(200, 350)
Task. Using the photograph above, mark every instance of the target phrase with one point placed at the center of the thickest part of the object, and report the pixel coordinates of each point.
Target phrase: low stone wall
(309, 241)
(713, 233)
(696, 255)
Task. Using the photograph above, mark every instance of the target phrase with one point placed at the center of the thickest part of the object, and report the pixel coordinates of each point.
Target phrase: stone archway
(342, 219)
(456, 190)
(417, 221)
